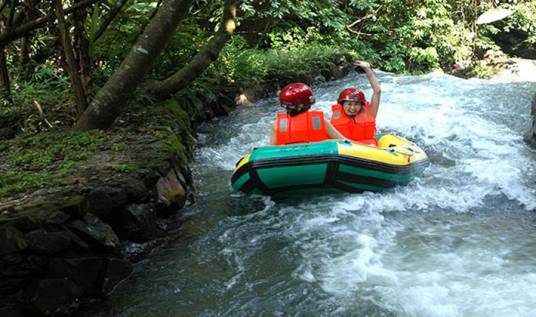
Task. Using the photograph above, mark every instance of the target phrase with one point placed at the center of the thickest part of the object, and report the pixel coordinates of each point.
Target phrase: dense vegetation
(274, 38)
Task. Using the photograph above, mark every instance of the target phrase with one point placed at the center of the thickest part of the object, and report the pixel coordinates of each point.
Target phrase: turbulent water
(458, 241)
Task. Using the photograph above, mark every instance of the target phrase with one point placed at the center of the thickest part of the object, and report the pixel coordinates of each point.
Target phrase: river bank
(77, 209)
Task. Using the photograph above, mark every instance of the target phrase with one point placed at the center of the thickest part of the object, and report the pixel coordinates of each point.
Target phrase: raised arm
(376, 89)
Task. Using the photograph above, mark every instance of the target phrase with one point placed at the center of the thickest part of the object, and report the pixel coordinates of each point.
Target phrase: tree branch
(109, 18)
(112, 97)
(202, 60)
(13, 34)
(70, 63)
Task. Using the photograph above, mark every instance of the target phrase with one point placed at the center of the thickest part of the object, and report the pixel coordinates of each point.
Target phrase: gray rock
(11, 240)
(98, 202)
(57, 218)
(52, 297)
(41, 241)
(96, 230)
(117, 271)
(139, 222)
(21, 265)
(83, 271)
(170, 190)
(337, 72)
(76, 241)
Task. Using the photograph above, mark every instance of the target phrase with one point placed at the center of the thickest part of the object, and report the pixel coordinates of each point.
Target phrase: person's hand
(362, 64)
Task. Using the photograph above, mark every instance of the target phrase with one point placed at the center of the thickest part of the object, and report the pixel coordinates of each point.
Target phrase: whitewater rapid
(458, 241)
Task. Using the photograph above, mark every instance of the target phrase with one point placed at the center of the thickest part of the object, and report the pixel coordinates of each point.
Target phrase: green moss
(17, 181)
(33, 161)
(128, 167)
(119, 146)
(40, 211)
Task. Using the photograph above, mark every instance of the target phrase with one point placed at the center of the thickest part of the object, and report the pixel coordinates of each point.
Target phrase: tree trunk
(70, 62)
(5, 86)
(202, 60)
(81, 46)
(29, 13)
(108, 102)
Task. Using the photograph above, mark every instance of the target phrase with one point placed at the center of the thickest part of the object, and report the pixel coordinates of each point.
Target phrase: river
(458, 241)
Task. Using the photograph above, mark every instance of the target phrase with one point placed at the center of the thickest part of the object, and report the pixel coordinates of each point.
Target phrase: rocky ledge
(92, 215)
(77, 209)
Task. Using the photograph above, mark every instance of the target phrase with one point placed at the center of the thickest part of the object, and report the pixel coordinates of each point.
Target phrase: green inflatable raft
(329, 166)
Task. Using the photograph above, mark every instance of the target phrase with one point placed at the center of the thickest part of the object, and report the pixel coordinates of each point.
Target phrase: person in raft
(299, 124)
(353, 116)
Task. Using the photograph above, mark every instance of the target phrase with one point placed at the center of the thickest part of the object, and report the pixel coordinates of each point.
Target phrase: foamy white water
(458, 241)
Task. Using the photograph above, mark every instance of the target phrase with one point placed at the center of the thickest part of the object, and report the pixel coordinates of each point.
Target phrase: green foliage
(276, 41)
(244, 67)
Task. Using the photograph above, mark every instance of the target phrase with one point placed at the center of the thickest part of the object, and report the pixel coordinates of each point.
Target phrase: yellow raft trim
(402, 153)
(242, 162)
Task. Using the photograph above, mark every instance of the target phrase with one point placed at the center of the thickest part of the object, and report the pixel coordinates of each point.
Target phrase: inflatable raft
(329, 166)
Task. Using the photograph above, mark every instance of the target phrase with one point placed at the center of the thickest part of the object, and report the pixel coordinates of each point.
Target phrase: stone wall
(83, 246)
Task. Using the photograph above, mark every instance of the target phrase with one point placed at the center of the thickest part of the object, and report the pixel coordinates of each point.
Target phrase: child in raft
(299, 124)
(355, 117)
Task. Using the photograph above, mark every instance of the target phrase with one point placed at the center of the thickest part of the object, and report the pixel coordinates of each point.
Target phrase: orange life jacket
(361, 128)
(305, 127)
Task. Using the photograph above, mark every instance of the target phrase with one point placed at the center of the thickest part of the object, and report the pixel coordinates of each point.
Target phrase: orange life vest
(361, 128)
(305, 127)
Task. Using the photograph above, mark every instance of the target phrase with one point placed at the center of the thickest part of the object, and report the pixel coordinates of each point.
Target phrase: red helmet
(351, 94)
(296, 97)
